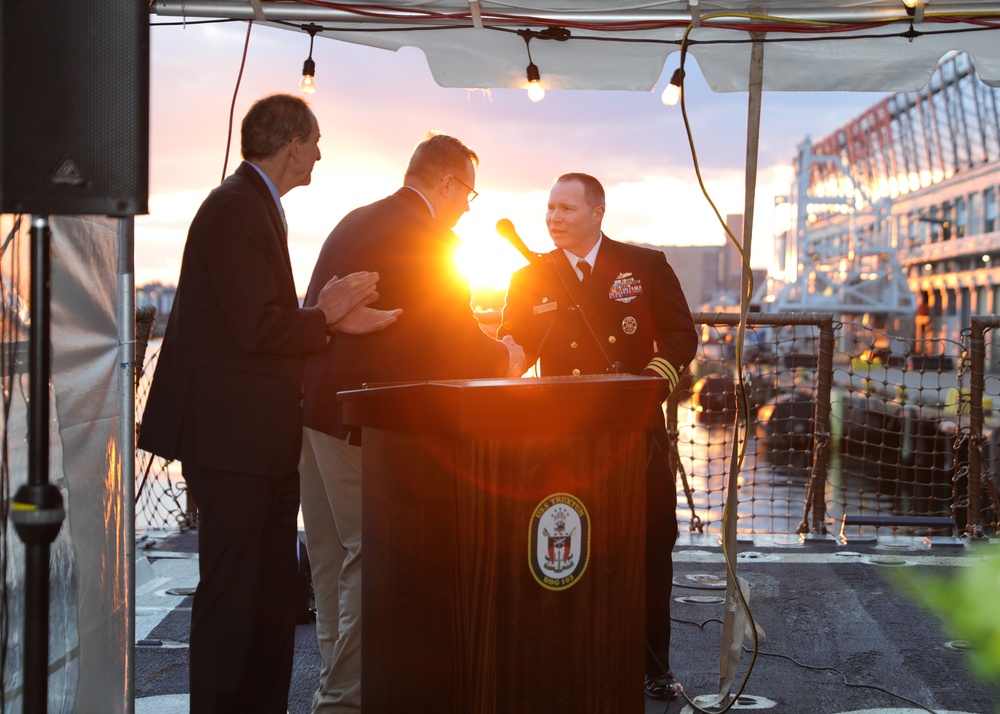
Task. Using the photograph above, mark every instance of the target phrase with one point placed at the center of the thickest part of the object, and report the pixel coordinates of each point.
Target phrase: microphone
(506, 229)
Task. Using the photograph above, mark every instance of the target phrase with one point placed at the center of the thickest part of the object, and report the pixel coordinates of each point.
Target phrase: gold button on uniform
(576, 373)
(612, 339)
(572, 345)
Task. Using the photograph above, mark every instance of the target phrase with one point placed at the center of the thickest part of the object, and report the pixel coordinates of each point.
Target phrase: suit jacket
(437, 336)
(227, 389)
(633, 301)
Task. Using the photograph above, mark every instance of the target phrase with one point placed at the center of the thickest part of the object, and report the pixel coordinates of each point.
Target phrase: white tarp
(89, 608)
(855, 45)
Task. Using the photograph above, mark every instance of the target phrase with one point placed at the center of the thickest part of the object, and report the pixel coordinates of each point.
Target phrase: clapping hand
(345, 302)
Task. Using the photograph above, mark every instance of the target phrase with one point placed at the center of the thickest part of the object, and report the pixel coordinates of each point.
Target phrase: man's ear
(598, 214)
(444, 188)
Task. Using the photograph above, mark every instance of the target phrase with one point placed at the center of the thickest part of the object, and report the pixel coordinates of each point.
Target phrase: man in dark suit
(408, 238)
(628, 316)
(225, 401)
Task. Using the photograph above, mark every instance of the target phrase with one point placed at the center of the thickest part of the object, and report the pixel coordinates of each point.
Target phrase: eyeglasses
(472, 192)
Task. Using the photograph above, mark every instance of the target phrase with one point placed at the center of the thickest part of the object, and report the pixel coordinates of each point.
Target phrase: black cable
(232, 106)
(182, 23)
(552, 269)
(814, 668)
(813, 36)
(696, 624)
(843, 678)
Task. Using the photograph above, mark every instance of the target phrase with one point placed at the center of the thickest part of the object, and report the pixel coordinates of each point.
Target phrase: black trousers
(661, 536)
(243, 617)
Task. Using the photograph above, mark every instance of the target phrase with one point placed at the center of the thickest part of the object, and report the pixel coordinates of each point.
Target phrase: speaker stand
(37, 507)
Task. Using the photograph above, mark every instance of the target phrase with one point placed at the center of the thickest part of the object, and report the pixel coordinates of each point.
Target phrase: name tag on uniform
(545, 307)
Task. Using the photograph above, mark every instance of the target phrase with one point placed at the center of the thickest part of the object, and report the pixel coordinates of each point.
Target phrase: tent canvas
(612, 45)
(859, 45)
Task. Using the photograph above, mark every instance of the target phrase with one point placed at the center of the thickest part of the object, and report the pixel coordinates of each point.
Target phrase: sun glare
(487, 262)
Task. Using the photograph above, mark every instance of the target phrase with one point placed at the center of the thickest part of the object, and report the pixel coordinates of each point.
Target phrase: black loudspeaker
(74, 107)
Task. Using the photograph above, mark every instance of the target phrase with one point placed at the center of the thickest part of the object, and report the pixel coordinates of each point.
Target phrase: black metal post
(37, 507)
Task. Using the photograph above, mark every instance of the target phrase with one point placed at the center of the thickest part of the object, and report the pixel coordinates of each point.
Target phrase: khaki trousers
(330, 473)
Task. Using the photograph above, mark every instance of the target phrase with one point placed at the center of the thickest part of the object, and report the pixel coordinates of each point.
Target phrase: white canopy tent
(856, 45)
(787, 45)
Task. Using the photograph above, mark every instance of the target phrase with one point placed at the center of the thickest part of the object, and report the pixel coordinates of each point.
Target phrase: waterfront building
(710, 274)
(161, 297)
(893, 218)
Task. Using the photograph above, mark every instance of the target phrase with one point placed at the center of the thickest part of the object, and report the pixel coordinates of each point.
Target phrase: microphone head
(506, 228)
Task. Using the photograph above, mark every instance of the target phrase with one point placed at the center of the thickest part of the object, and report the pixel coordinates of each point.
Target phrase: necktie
(584, 267)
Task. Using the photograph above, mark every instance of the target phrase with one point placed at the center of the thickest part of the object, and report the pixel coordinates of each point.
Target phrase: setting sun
(487, 261)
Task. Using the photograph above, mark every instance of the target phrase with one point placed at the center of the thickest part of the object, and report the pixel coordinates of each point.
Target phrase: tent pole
(126, 435)
(734, 624)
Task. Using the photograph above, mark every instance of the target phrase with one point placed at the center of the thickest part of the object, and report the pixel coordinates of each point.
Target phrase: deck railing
(847, 432)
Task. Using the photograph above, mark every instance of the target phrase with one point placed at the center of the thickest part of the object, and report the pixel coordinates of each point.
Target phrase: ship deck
(841, 635)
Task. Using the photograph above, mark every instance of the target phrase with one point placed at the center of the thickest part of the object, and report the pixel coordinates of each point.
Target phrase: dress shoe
(661, 688)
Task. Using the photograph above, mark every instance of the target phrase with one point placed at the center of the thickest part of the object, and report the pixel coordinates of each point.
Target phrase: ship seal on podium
(559, 541)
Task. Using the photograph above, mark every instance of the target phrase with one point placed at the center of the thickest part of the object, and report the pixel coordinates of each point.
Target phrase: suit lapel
(278, 228)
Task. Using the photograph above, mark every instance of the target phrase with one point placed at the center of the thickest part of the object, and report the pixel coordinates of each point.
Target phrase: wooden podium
(503, 542)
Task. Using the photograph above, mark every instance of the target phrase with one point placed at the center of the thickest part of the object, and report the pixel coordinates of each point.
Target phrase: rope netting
(896, 445)
(160, 493)
(778, 375)
(892, 437)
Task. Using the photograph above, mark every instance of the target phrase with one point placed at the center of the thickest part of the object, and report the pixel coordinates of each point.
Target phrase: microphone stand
(550, 265)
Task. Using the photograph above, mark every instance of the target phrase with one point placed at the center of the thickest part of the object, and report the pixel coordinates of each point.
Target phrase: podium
(503, 544)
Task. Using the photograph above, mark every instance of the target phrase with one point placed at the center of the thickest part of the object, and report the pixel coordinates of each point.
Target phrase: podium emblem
(559, 541)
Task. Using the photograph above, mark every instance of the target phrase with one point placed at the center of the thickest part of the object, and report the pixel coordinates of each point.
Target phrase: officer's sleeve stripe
(664, 369)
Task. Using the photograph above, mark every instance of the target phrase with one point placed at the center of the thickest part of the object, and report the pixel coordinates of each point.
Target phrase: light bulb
(308, 83)
(536, 92)
(672, 93)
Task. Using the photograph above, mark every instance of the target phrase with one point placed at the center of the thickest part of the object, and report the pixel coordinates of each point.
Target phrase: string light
(672, 93)
(536, 92)
(308, 84)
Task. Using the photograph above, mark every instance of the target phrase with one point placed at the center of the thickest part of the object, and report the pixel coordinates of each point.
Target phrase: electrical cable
(814, 668)
(742, 418)
(232, 106)
(182, 23)
(412, 11)
(815, 34)
(843, 677)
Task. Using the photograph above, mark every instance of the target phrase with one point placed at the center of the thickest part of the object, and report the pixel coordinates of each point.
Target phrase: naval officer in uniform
(597, 306)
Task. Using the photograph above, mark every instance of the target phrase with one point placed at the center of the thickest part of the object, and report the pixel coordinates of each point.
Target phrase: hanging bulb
(536, 92)
(308, 84)
(672, 93)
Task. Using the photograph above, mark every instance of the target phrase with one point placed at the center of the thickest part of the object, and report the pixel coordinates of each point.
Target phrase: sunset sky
(374, 106)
